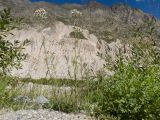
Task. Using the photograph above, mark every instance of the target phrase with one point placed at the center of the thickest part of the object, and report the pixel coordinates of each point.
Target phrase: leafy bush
(10, 52)
(77, 34)
(7, 91)
(11, 56)
(133, 92)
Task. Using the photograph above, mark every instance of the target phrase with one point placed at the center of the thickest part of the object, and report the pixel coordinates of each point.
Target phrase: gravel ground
(41, 115)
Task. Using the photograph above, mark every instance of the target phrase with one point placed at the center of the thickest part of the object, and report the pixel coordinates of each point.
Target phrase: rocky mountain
(119, 19)
(53, 52)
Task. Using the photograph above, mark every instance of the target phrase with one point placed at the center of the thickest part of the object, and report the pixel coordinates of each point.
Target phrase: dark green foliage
(77, 34)
(133, 92)
(7, 22)
(5, 94)
(10, 52)
(11, 56)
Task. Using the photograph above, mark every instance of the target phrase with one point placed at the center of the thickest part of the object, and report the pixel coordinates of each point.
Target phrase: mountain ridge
(118, 19)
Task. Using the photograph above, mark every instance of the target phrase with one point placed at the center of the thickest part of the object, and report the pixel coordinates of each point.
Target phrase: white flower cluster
(41, 12)
(75, 13)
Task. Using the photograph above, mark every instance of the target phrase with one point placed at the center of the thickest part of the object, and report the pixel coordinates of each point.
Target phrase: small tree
(10, 52)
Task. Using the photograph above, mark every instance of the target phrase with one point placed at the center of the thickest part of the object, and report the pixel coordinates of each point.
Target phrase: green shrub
(77, 34)
(10, 52)
(7, 91)
(133, 92)
(11, 56)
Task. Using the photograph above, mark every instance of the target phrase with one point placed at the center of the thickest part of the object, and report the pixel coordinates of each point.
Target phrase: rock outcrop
(53, 53)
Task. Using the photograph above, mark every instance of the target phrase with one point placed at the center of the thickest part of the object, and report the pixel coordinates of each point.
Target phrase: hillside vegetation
(91, 59)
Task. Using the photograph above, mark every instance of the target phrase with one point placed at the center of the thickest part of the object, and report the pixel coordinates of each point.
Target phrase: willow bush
(133, 92)
(11, 53)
